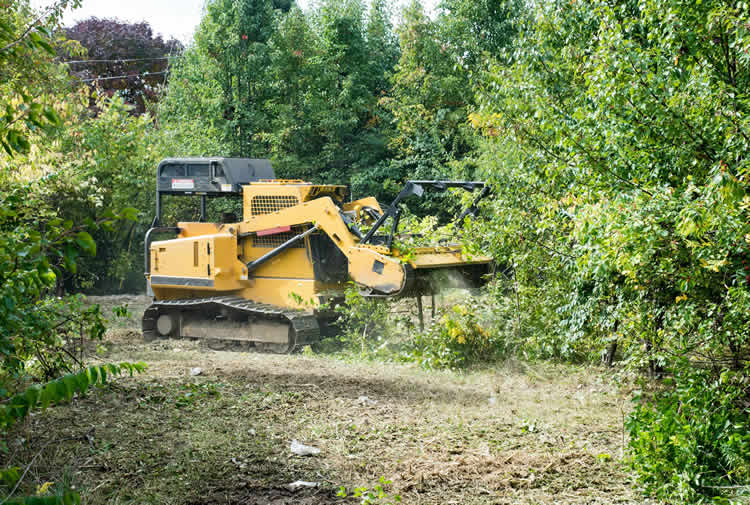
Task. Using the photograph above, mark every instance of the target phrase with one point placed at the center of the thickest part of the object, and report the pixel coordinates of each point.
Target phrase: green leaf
(82, 381)
(47, 47)
(86, 242)
(71, 385)
(62, 392)
(6, 147)
(32, 395)
(129, 213)
(46, 396)
(93, 373)
(52, 116)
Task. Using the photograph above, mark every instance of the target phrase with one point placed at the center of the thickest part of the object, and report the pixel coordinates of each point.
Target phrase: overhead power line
(145, 74)
(122, 60)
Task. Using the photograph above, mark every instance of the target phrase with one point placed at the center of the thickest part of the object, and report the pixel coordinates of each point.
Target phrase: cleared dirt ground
(518, 433)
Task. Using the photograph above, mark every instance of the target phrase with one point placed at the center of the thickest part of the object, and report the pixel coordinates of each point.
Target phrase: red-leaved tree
(123, 58)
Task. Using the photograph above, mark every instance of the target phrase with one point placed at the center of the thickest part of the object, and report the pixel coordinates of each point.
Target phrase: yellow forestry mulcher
(265, 281)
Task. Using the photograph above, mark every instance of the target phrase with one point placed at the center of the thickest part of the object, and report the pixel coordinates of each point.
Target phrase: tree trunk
(609, 356)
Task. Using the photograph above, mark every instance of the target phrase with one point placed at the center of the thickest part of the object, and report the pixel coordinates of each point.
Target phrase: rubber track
(304, 324)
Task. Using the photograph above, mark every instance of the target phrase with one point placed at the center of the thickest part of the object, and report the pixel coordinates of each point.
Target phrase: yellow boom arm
(368, 265)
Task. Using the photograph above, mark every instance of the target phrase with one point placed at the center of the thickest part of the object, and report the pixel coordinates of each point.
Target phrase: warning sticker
(226, 187)
(183, 184)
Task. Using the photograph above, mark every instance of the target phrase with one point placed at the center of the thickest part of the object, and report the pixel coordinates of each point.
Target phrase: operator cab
(207, 178)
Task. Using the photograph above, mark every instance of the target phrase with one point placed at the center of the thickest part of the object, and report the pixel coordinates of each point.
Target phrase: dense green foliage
(698, 436)
(90, 164)
(26, 72)
(36, 247)
(626, 125)
(302, 89)
(43, 237)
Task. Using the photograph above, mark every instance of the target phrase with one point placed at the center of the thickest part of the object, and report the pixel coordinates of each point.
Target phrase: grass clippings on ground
(517, 434)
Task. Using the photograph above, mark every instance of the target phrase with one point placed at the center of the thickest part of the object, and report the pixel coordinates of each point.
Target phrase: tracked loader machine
(265, 280)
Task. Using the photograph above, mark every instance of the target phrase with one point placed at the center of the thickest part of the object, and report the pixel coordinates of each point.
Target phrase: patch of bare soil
(531, 434)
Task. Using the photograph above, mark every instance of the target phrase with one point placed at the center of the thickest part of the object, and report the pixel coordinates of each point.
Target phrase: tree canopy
(122, 58)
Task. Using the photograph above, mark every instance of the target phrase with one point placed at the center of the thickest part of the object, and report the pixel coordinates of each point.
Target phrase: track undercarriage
(231, 322)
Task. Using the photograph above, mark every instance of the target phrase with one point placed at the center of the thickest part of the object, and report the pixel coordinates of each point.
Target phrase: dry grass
(532, 434)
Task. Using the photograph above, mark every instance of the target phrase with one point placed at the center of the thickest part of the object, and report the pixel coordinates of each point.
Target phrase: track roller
(231, 322)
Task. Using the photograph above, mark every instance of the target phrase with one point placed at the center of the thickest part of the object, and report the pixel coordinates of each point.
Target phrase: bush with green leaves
(37, 330)
(622, 135)
(690, 442)
(460, 336)
(41, 335)
(364, 324)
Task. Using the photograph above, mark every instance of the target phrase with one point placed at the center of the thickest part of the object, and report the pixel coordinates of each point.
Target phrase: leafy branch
(39, 397)
(53, 10)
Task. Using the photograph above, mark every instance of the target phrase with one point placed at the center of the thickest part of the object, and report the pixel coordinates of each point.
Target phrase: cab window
(173, 171)
(198, 170)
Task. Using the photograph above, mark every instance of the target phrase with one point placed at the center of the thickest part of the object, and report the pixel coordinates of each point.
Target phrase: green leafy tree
(27, 71)
(191, 114)
(328, 70)
(302, 89)
(434, 87)
(350, 130)
(429, 99)
(476, 27)
(117, 154)
(235, 36)
(90, 164)
(629, 125)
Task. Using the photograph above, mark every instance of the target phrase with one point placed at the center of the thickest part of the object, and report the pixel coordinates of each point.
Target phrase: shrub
(457, 339)
(690, 443)
(363, 323)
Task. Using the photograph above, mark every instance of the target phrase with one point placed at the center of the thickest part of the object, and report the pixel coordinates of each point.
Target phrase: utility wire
(123, 60)
(146, 74)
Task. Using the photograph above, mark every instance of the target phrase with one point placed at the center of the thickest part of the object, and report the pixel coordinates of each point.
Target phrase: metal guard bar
(275, 252)
(417, 188)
